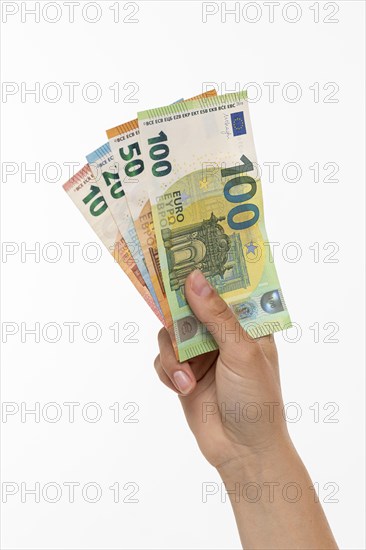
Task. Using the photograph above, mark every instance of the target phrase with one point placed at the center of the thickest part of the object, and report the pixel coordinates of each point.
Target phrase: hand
(231, 397)
(233, 404)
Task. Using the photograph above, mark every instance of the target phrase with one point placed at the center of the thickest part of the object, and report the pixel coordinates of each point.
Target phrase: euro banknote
(86, 195)
(125, 145)
(106, 173)
(207, 211)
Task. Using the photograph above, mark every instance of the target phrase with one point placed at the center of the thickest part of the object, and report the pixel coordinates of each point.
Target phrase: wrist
(257, 464)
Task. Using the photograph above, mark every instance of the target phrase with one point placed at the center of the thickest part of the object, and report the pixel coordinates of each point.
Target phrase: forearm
(274, 504)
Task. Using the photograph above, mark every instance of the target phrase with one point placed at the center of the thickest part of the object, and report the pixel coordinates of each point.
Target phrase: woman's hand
(233, 404)
(231, 397)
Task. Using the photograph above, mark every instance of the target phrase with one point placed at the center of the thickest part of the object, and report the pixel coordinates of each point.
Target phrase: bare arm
(274, 503)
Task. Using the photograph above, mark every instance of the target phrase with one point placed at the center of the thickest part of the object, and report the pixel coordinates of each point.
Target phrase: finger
(268, 345)
(163, 375)
(201, 364)
(214, 312)
(180, 374)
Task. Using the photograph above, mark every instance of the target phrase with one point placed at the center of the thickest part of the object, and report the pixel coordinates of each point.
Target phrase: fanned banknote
(106, 173)
(86, 195)
(125, 145)
(208, 213)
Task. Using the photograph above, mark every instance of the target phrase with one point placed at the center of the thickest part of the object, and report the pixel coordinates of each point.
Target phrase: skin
(249, 445)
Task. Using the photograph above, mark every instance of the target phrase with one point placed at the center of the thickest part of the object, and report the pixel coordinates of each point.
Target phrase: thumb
(214, 313)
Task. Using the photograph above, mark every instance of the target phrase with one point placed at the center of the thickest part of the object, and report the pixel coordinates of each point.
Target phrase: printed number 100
(158, 152)
(241, 198)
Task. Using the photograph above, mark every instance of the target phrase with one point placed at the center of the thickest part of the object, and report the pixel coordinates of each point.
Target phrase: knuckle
(168, 364)
(161, 376)
(159, 370)
(157, 362)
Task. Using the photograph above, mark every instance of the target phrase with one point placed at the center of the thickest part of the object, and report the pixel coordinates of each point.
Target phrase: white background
(170, 53)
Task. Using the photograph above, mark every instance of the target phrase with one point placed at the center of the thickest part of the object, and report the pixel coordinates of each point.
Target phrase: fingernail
(182, 381)
(199, 285)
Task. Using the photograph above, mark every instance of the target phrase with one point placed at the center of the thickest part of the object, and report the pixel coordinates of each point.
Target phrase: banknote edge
(78, 177)
(188, 105)
(99, 153)
(122, 128)
(211, 344)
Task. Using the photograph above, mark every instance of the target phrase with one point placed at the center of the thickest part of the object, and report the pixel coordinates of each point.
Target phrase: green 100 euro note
(208, 214)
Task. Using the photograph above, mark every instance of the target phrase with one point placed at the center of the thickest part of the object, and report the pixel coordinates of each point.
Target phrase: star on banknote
(251, 248)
